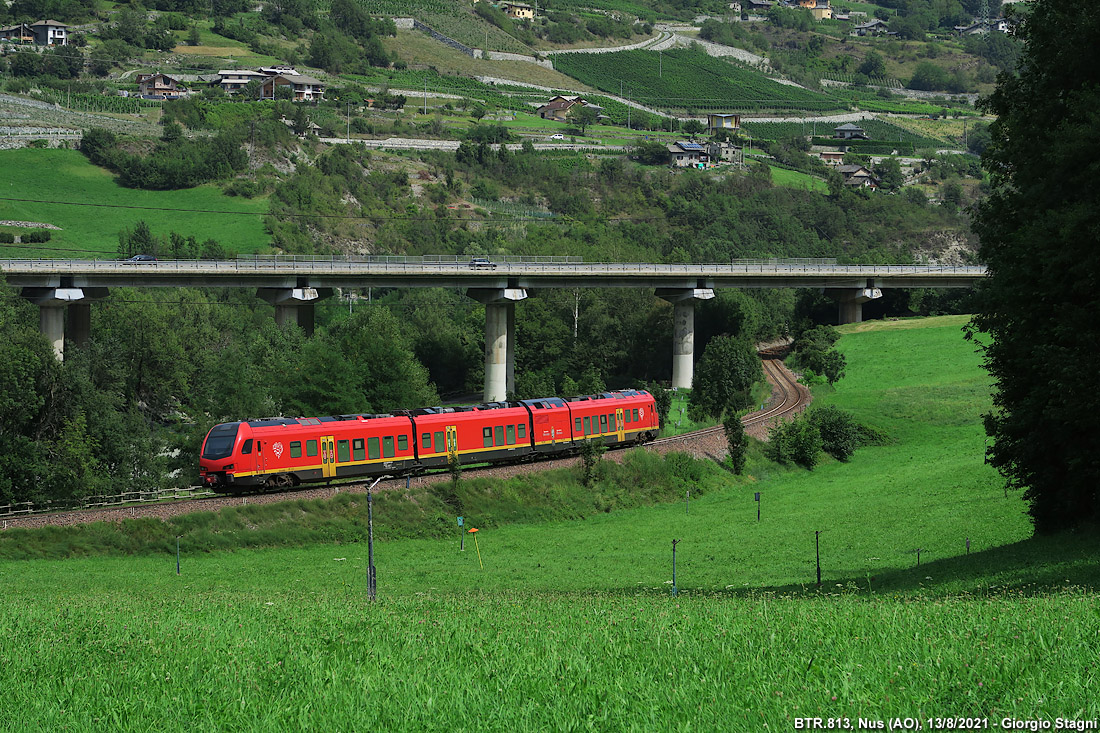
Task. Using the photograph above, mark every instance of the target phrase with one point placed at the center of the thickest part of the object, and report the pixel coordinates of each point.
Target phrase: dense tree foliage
(1038, 234)
(813, 352)
(724, 377)
(174, 163)
(737, 441)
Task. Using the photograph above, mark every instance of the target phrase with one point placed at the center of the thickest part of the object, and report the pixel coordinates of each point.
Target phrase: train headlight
(227, 467)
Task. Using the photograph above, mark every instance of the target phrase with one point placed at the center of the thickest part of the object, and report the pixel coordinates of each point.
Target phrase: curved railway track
(788, 397)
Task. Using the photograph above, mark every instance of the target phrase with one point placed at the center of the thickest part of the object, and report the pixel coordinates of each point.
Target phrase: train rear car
(614, 418)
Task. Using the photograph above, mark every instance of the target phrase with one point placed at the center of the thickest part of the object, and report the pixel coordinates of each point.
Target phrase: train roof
(620, 394)
(542, 403)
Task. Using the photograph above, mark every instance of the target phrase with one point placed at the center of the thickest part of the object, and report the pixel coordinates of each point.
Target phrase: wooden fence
(106, 500)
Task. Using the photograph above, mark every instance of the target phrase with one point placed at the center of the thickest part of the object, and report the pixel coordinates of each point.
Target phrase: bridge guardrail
(282, 264)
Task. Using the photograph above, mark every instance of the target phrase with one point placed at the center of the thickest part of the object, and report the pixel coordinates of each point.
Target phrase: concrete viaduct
(64, 289)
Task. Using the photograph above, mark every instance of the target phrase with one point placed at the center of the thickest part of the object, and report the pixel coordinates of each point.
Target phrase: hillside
(559, 623)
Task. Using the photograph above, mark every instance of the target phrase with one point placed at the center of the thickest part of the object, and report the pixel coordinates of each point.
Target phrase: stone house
(686, 154)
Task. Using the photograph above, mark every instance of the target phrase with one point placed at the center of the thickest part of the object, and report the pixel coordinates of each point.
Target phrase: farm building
(518, 11)
(685, 154)
(858, 176)
(305, 88)
(558, 108)
(848, 131)
(40, 33)
(159, 85)
(729, 122)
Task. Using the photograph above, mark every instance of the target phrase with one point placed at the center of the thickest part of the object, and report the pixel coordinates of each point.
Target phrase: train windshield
(219, 443)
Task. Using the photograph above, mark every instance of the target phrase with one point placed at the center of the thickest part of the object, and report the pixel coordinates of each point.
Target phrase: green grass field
(61, 187)
(571, 624)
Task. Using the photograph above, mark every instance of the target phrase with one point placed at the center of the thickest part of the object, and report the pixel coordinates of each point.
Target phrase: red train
(283, 452)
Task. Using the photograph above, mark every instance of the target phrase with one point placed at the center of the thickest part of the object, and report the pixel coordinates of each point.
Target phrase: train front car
(221, 467)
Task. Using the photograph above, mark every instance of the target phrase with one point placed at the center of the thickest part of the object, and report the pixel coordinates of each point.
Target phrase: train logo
(278, 448)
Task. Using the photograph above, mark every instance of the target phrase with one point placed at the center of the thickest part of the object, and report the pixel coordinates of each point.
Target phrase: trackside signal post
(461, 537)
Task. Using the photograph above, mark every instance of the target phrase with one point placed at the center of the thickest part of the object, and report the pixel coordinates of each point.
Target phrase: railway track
(788, 397)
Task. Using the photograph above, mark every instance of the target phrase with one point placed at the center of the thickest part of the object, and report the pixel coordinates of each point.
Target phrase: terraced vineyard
(877, 130)
(502, 96)
(685, 79)
(453, 21)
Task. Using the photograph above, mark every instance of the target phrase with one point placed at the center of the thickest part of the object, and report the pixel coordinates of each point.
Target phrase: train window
(426, 441)
(611, 421)
(387, 446)
(440, 446)
(635, 416)
(311, 447)
(402, 442)
(499, 432)
(246, 447)
(577, 429)
(603, 423)
(295, 449)
(343, 451)
(487, 437)
(521, 431)
(511, 429)
(372, 448)
(588, 426)
(357, 451)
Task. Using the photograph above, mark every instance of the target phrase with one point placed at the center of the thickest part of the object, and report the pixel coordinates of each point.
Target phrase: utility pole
(349, 122)
(425, 95)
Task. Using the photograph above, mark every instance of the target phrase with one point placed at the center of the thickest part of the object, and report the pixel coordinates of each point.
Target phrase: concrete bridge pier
(683, 331)
(295, 305)
(53, 303)
(851, 300)
(500, 330)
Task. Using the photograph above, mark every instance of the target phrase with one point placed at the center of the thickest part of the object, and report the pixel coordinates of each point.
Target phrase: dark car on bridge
(482, 263)
(141, 258)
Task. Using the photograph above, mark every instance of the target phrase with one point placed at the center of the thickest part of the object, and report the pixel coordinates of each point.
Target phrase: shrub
(7, 238)
(838, 429)
(795, 441)
(36, 236)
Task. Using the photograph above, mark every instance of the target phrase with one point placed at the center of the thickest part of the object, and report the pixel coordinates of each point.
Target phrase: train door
(328, 456)
(620, 425)
(452, 439)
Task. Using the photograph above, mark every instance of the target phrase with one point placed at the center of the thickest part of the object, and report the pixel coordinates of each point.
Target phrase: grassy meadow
(571, 624)
(72, 191)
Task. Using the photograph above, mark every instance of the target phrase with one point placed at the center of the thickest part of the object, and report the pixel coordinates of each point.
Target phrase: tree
(873, 65)
(650, 152)
(928, 77)
(662, 400)
(724, 376)
(1038, 238)
(694, 128)
(737, 440)
(582, 116)
(889, 173)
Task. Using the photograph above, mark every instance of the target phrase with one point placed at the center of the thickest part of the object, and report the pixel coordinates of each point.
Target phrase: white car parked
(557, 136)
